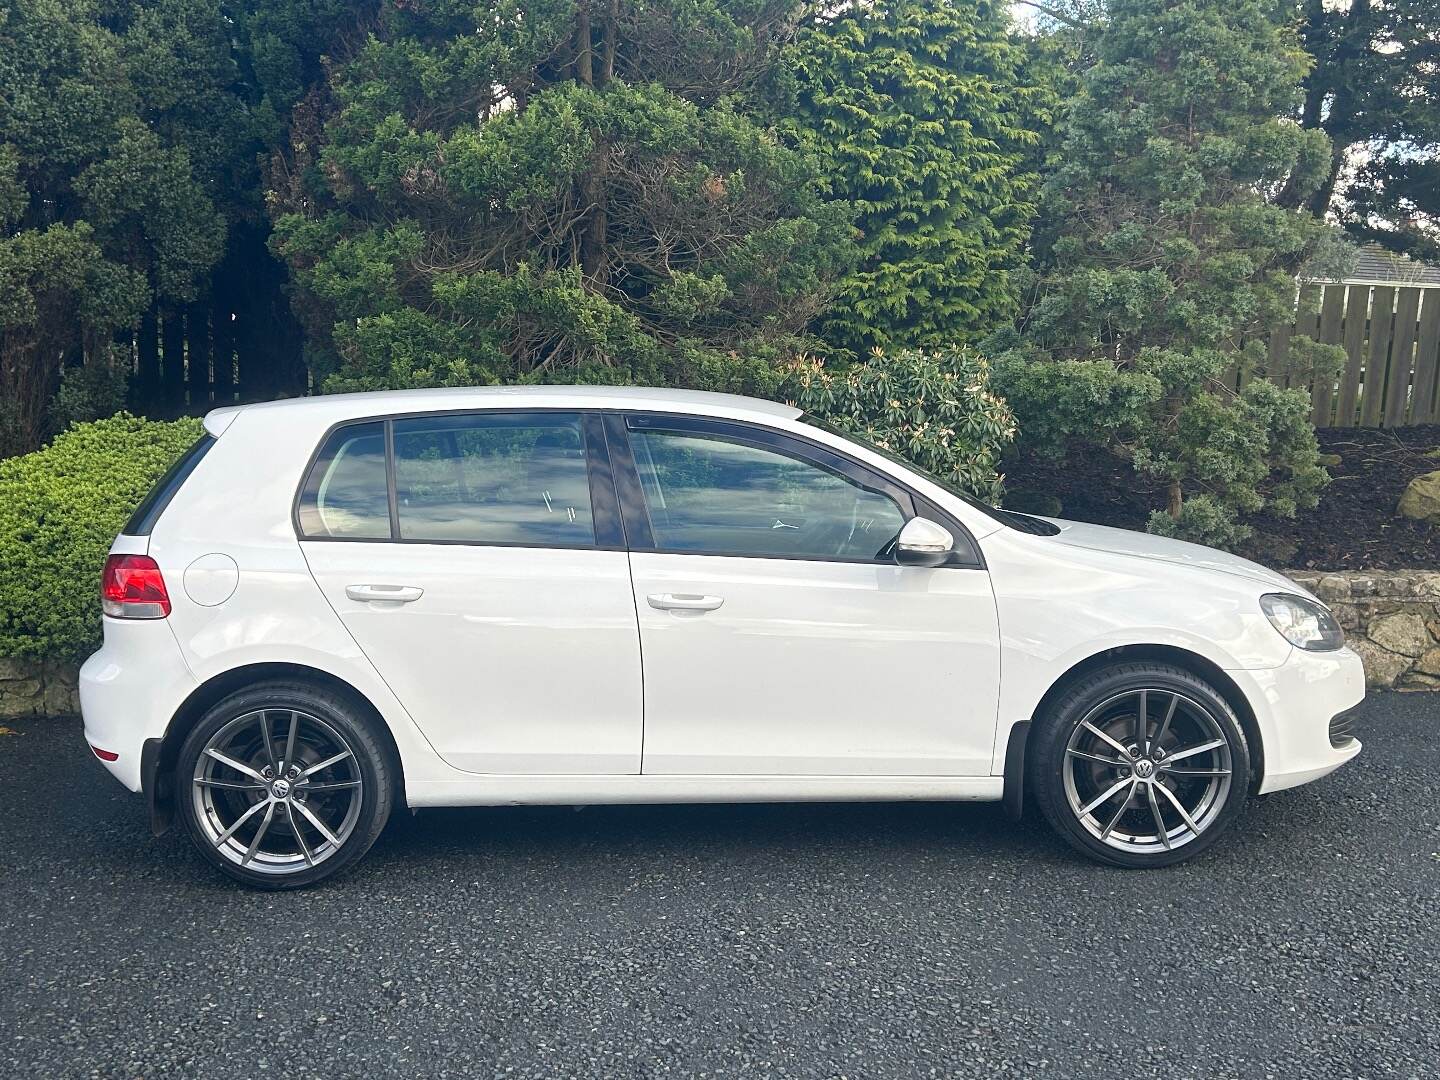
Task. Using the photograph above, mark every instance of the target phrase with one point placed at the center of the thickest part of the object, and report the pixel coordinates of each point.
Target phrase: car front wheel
(283, 785)
(1140, 764)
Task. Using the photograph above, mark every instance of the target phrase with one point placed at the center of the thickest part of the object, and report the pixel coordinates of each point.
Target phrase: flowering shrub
(933, 407)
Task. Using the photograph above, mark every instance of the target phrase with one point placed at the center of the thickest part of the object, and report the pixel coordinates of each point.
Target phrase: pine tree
(922, 113)
(1168, 253)
(121, 135)
(556, 190)
(1375, 90)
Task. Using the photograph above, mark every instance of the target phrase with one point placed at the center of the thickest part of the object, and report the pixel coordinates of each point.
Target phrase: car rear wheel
(1140, 765)
(283, 785)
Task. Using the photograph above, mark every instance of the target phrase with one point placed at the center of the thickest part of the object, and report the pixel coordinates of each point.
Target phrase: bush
(60, 507)
(87, 393)
(932, 407)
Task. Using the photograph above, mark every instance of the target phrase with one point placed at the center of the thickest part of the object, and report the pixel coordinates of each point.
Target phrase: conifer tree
(1167, 255)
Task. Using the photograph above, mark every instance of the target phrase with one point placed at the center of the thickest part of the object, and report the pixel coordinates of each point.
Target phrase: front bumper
(1293, 705)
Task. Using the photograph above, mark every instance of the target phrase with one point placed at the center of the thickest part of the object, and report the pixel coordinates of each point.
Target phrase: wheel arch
(1199, 666)
(160, 755)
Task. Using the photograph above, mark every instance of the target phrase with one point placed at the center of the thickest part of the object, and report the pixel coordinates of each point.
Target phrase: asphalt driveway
(816, 941)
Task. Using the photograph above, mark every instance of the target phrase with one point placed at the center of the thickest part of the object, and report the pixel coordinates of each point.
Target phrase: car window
(345, 494)
(500, 478)
(716, 495)
(143, 520)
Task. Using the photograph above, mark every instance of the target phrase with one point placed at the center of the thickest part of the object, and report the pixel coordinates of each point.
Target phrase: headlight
(1303, 623)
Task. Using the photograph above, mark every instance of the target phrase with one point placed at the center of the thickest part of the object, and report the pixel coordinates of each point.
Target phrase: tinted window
(148, 512)
(345, 494)
(707, 493)
(493, 478)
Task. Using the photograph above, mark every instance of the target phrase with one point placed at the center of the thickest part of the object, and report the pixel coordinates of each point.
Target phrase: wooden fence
(196, 358)
(1391, 335)
(238, 342)
(249, 348)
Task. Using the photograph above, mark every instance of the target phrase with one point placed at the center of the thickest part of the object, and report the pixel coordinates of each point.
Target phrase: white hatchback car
(336, 605)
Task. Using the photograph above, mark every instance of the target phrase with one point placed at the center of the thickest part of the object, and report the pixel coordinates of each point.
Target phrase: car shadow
(717, 832)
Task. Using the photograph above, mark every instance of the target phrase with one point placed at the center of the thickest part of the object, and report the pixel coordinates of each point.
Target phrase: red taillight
(105, 755)
(132, 588)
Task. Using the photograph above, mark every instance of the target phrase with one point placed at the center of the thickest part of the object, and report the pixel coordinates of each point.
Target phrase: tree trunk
(1330, 82)
(223, 352)
(584, 52)
(612, 33)
(172, 360)
(1174, 501)
(197, 354)
(595, 232)
(147, 373)
(25, 389)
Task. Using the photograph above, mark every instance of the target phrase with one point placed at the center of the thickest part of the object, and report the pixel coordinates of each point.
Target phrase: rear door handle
(684, 601)
(384, 594)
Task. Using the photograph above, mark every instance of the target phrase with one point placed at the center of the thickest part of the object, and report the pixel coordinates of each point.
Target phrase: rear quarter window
(346, 494)
(143, 520)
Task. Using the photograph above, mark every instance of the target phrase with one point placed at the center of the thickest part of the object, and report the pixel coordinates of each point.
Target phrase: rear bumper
(129, 690)
(1294, 705)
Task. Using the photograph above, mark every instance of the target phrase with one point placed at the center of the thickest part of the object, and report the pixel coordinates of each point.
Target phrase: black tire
(1109, 699)
(366, 779)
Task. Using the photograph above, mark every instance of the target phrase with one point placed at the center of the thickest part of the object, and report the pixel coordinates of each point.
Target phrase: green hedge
(933, 407)
(60, 508)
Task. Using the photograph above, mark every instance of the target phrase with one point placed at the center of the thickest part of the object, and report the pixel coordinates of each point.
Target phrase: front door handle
(684, 601)
(384, 594)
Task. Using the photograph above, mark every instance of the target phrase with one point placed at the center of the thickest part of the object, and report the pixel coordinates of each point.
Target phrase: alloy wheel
(277, 791)
(1147, 770)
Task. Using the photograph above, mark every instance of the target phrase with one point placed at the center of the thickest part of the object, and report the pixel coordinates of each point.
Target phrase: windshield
(1014, 520)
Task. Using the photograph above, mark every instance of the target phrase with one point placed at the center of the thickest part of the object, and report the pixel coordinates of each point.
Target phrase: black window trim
(633, 508)
(605, 513)
(146, 516)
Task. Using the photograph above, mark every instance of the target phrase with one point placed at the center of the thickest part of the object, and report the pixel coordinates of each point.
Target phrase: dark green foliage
(934, 408)
(120, 135)
(87, 393)
(574, 194)
(1375, 90)
(60, 507)
(1166, 254)
(923, 114)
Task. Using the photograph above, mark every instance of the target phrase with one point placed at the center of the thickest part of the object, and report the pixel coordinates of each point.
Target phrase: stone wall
(1391, 618)
(37, 687)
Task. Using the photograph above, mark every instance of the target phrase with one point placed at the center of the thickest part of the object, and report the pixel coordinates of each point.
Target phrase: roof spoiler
(218, 420)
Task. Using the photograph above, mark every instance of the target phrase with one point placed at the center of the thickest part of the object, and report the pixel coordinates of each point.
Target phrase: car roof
(335, 407)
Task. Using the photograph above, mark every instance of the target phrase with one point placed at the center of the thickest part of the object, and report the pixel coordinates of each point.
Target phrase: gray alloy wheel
(285, 784)
(1139, 764)
(277, 791)
(1147, 770)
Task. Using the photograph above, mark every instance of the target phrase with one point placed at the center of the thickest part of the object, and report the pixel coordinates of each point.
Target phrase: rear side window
(500, 478)
(345, 495)
(143, 520)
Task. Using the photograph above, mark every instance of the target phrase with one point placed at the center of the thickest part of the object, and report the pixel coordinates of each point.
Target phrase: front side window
(711, 494)
(501, 478)
(345, 496)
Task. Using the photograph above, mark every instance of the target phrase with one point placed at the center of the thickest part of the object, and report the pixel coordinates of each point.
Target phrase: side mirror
(923, 542)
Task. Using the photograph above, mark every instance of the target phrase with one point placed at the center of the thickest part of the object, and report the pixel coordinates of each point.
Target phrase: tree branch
(1055, 13)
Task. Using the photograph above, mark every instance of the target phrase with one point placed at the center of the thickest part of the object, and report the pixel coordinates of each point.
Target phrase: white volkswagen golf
(335, 606)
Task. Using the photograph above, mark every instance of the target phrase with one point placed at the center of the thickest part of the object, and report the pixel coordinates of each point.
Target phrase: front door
(491, 589)
(779, 636)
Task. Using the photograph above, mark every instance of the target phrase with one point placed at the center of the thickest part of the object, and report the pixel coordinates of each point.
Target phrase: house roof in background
(1376, 266)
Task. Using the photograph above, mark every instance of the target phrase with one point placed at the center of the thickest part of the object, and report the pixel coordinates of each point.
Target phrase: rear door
(480, 566)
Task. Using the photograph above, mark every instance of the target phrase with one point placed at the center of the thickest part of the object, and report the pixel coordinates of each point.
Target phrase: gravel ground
(816, 941)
